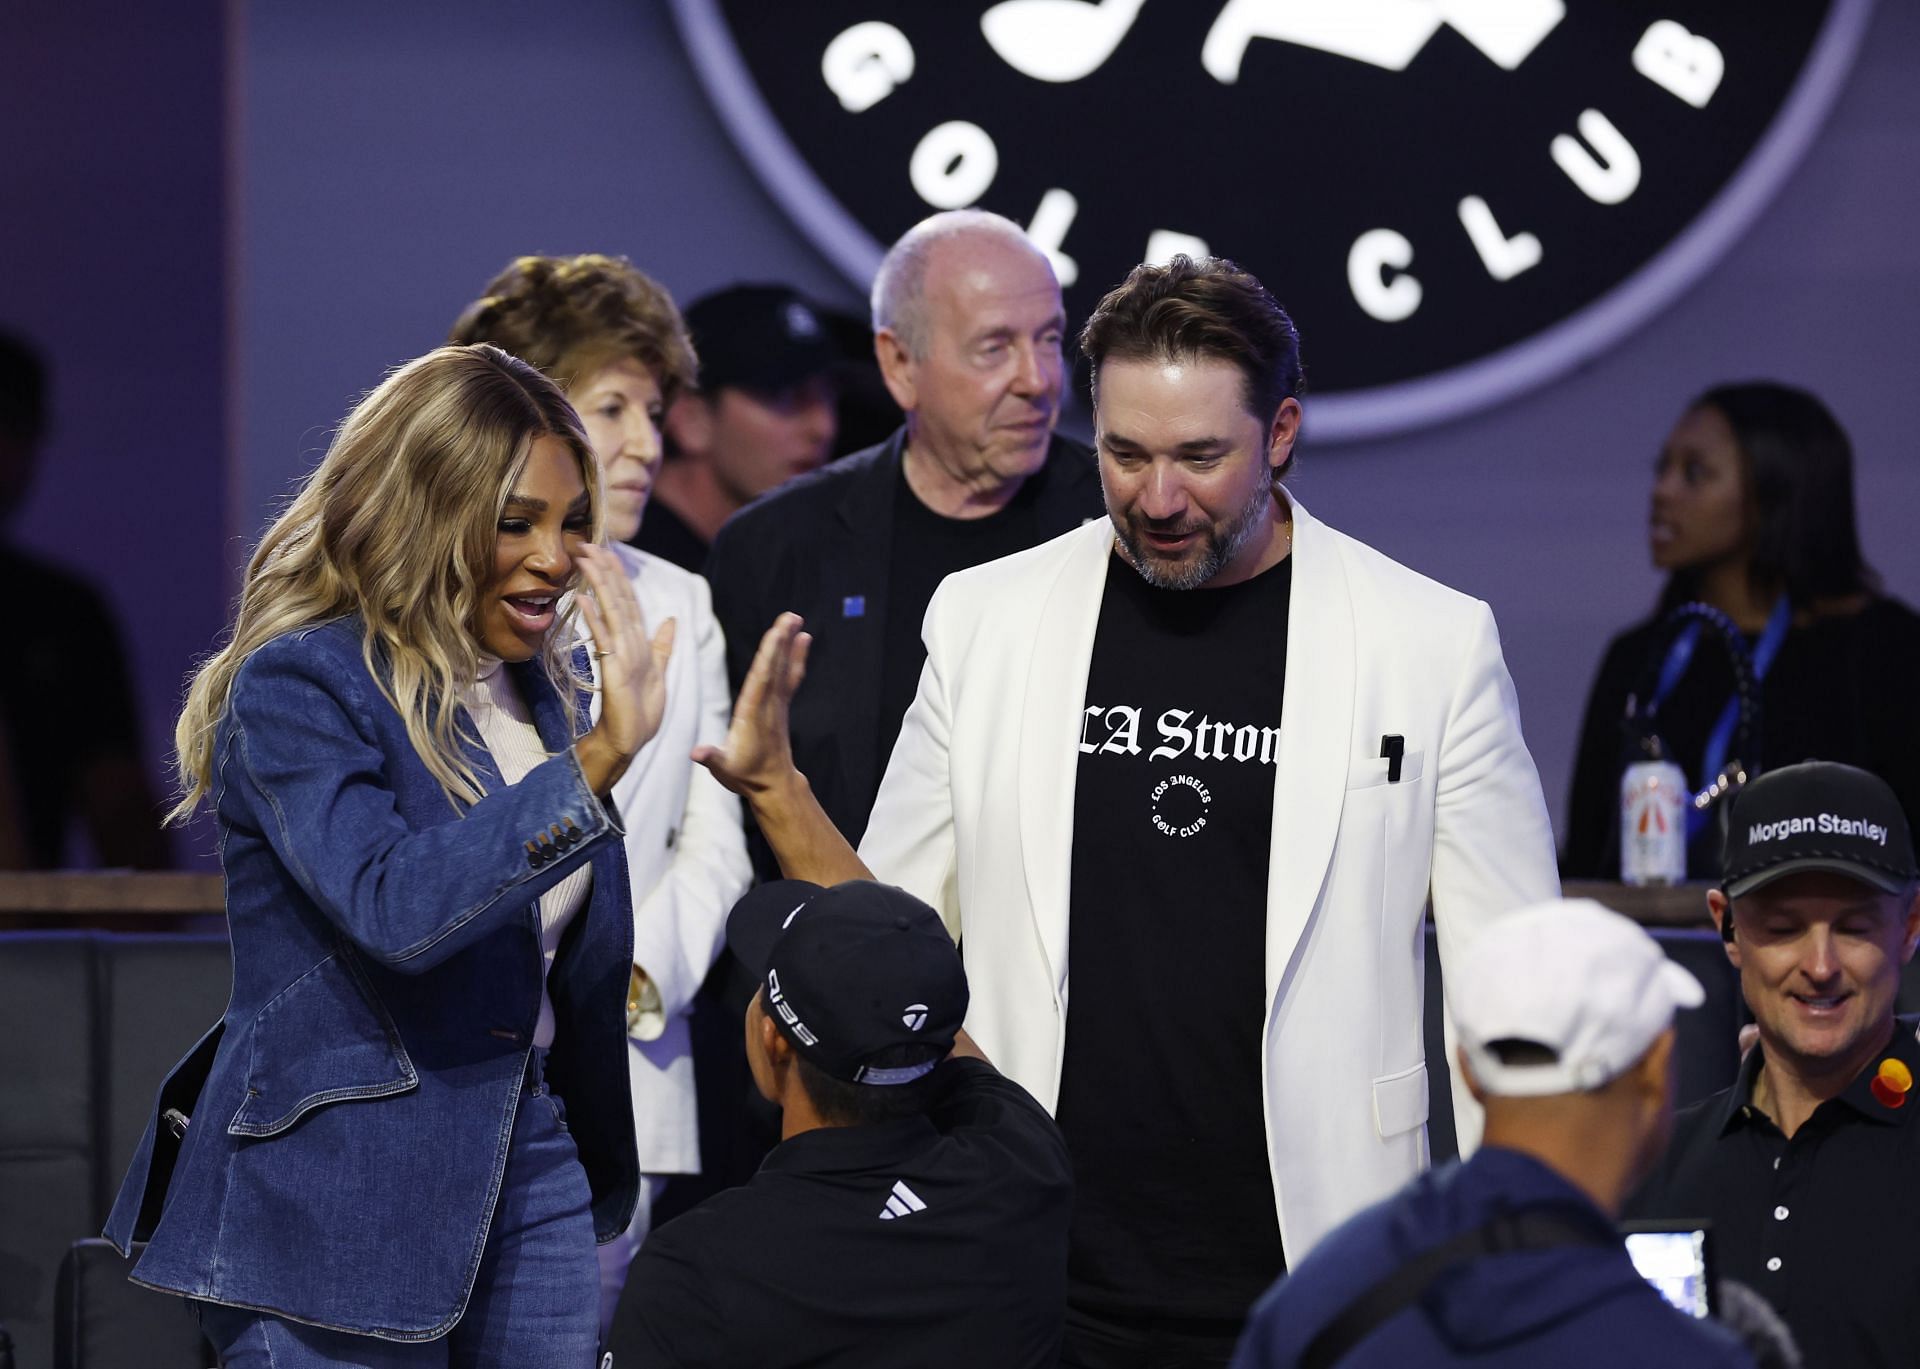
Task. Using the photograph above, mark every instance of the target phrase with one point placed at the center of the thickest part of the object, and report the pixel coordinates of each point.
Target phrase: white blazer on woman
(686, 858)
(975, 815)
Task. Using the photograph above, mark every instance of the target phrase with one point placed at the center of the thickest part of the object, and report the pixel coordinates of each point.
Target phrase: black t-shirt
(927, 548)
(939, 1240)
(1160, 1096)
(1823, 1225)
(670, 537)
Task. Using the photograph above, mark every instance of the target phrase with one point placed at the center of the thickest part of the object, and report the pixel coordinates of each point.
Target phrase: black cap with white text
(853, 975)
(1818, 815)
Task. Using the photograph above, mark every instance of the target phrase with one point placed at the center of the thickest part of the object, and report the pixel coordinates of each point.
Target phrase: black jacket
(820, 546)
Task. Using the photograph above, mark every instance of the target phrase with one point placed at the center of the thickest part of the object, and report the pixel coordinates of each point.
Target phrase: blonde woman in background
(367, 1161)
(612, 339)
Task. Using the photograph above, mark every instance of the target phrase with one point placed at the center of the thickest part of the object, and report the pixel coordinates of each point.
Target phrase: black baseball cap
(759, 337)
(1818, 815)
(852, 973)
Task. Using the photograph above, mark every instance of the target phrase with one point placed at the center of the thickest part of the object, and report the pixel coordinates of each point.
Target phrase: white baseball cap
(1570, 975)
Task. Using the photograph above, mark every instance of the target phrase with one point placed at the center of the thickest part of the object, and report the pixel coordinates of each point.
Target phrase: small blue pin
(854, 606)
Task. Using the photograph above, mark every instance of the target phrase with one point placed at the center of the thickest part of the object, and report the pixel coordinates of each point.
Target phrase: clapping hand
(632, 668)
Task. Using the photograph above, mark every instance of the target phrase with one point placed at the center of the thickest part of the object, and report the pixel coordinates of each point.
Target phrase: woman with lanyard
(1753, 517)
(367, 1161)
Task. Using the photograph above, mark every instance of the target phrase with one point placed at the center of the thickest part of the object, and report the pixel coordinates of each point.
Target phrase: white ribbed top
(507, 729)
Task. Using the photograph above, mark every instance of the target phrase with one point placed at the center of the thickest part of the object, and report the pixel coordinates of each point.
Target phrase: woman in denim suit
(612, 339)
(367, 1160)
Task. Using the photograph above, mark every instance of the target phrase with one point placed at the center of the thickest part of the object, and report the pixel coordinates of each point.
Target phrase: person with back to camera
(1511, 1260)
(1806, 1166)
(1753, 514)
(367, 1161)
(613, 341)
(915, 1211)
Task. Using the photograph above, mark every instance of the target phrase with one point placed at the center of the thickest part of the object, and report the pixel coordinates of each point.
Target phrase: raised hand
(756, 762)
(757, 754)
(631, 665)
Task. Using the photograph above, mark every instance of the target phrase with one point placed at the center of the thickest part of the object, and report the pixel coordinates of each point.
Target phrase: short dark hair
(860, 1105)
(1516, 1053)
(1797, 465)
(1204, 308)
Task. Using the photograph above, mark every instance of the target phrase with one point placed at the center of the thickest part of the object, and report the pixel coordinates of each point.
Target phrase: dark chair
(101, 1321)
(89, 1024)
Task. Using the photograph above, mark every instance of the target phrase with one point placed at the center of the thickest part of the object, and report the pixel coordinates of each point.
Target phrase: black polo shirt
(932, 1241)
(1825, 1226)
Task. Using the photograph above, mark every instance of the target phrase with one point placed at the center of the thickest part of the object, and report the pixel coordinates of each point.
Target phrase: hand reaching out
(756, 762)
(632, 668)
(757, 754)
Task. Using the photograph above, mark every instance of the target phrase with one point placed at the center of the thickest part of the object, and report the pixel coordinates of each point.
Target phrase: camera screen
(1675, 1263)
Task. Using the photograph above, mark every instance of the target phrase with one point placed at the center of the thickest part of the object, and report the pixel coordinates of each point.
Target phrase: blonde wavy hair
(398, 525)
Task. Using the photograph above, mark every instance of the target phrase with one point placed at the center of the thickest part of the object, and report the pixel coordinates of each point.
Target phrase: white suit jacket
(975, 815)
(686, 857)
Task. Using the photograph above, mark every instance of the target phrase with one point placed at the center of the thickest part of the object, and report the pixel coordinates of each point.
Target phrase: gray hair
(899, 286)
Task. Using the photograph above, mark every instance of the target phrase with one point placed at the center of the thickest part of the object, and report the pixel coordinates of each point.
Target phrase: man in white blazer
(1194, 772)
(1400, 773)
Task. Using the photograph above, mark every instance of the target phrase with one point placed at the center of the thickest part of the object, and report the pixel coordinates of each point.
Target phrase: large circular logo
(1456, 199)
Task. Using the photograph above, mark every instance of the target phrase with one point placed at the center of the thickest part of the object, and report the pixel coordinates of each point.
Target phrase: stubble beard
(1217, 547)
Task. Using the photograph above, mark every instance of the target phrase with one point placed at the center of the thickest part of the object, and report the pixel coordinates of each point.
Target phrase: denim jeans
(617, 1254)
(534, 1301)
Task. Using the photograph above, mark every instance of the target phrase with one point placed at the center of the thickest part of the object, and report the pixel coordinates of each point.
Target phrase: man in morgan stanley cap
(915, 1210)
(1806, 1165)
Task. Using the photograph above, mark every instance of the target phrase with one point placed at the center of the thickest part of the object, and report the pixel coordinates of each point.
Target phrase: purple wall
(113, 232)
(388, 158)
(394, 157)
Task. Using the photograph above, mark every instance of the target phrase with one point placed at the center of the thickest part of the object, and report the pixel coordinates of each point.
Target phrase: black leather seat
(101, 1321)
(89, 1024)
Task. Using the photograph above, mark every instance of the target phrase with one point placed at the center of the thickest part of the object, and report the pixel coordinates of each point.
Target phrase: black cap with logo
(852, 974)
(1818, 815)
(759, 337)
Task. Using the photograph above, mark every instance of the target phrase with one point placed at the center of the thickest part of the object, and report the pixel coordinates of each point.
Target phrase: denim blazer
(332, 1150)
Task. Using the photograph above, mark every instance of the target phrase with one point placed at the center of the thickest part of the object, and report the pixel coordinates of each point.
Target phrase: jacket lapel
(1316, 723)
(1056, 691)
(859, 558)
(550, 718)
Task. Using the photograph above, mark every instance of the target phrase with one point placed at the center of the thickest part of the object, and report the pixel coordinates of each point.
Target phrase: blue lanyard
(1680, 654)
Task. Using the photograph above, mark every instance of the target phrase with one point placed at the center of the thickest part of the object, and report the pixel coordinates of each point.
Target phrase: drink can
(1653, 823)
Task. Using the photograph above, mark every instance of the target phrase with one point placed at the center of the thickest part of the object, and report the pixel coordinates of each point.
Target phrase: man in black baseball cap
(915, 1210)
(763, 412)
(1806, 1165)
